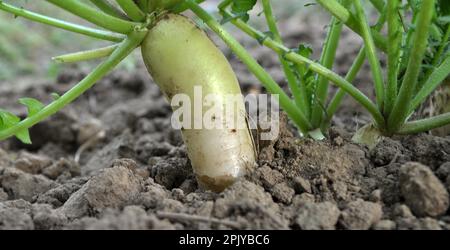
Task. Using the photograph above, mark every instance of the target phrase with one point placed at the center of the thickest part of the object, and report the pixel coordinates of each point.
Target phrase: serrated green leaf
(240, 8)
(33, 105)
(305, 50)
(8, 120)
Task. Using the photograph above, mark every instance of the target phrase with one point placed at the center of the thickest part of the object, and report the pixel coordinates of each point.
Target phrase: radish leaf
(8, 120)
(33, 105)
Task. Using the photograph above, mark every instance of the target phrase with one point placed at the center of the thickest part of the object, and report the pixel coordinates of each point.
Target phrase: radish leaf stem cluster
(411, 76)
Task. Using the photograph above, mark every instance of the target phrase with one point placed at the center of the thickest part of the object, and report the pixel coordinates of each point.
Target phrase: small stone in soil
(61, 167)
(120, 147)
(269, 177)
(59, 195)
(252, 204)
(375, 196)
(177, 194)
(3, 195)
(189, 185)
(360, 215)
(171, 172)
(422, 190)
(443, 171)
(418, 224)
(282, 192)
(15, 219)
(5, 161)
(430, 150)
(46, 218)
(302, 185)
(302, 198)
(111, 188)
(21, 185)
(31, 163)
(317, 216)
(402, 211)
(386, 151)
(154, 194)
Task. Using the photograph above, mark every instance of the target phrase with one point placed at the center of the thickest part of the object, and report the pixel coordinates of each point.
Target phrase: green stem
(344, 15)
(316, 67)
(286, 103)
(132, 10)
(371, 54)
(304, 95)
(350, 77)
(108, 8)
(433, 81)
(394, 49)
(378, 4)
(85, 55)
(327, 60)
(403, 102)
(95, 33)
(409, 35)
(290, 76)
(340, 82)
(184, 6)
(425, 124)
(92, 15)
(125, 48)
(143, 5)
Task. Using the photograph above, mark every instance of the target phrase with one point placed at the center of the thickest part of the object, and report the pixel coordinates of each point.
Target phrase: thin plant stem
(132, 10)
(143, 5)
(378, 4)
(95, 33)
(184, 6)
(394, 53)
(371, 54)
(327, 60)
(298, 59)
(350, 77)
(108, 8)
(403, 102)
(290, 76)
(304, 95)
(425, 124)
(125, 48)
(96, 17)
(344, 15)
(85, 55)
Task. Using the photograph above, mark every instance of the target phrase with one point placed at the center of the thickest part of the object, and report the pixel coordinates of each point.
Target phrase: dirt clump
(423, 191)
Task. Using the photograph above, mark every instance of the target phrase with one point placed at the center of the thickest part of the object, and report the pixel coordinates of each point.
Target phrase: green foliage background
(26, 47)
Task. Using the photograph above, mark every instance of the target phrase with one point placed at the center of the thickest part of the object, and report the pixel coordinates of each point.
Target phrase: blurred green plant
(25, 54)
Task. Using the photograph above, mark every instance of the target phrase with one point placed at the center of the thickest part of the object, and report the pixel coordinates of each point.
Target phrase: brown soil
(138, 175)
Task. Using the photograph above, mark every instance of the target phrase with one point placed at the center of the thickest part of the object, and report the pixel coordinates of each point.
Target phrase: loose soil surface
(133, 171)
